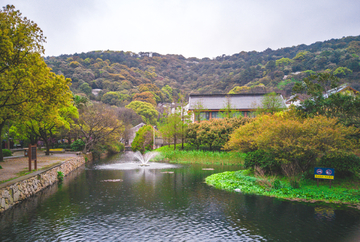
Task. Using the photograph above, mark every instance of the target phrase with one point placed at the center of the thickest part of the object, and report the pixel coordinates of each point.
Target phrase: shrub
(7, 152)
(295, 142)
(115, 147)
(213, 133)
(78, 145)
(262, 159)
(60, 176)
(344, 164)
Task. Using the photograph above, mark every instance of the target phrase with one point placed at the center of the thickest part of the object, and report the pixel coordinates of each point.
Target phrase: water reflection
(149, 205)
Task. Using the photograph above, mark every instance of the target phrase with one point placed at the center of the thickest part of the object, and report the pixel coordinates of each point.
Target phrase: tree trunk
(174, 142)
(47, 147)
(69, 138)
(182, 141)
(1, 152)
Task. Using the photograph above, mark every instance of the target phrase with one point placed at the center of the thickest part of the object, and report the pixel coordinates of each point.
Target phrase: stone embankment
(19, 189)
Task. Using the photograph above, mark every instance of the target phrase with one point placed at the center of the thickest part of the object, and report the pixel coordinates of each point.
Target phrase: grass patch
(188, 156)
(342, 191)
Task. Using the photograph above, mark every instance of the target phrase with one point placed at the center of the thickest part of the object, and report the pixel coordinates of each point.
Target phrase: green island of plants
(342, 190)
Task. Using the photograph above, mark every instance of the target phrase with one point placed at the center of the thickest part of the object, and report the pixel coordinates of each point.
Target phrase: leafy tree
(173, 128)
(145, 97)
(316, 85)
(85, 88)
(228, 110)
(283, 62)
(342, 71)
(198, 109)
(143, 139)
(344, 107)
(111, 98)
(147, 111)
(271, 103)
(45, 123)
(25, 80)
(168, 92)
(149, 87)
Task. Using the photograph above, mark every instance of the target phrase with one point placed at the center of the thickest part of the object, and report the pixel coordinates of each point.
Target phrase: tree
(228, 110)
(271, 103)
(85, 88)
(172, 127)
(342, 71)
(46, 123)
(316, 85)
(143, 139)
(25, 80)
(99, 125)
(198, 109)
(145, 97)
(147, 111)
(111, 98)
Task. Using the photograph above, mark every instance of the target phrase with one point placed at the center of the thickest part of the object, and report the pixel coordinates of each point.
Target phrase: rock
(237, 190)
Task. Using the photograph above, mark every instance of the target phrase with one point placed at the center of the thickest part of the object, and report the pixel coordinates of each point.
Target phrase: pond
(172, 204)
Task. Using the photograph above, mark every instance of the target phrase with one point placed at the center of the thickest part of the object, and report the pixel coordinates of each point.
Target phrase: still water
(95, 204)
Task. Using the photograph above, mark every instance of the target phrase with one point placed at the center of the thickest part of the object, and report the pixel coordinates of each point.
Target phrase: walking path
(19, 163)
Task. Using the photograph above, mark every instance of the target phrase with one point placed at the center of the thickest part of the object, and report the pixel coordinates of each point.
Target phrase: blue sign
(324, 173)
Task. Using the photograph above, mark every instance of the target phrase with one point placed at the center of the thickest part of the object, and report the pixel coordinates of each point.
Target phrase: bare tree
(99, 124)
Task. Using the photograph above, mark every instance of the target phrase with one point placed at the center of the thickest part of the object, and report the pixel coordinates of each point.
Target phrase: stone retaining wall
(14, 191)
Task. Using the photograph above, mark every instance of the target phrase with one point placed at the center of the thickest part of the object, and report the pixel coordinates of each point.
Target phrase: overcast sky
(192, 28)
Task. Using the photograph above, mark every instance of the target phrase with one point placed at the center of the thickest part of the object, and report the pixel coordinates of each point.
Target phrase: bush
(266, 161)
(60, 176)
(344, 164)
(78, 145)
(7, 152)
(296, 143)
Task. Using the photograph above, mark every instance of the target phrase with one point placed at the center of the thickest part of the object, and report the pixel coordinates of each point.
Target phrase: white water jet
(144, 159)
(130, 161)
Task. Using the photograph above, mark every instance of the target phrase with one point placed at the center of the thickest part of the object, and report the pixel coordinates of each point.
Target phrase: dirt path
(12, 166)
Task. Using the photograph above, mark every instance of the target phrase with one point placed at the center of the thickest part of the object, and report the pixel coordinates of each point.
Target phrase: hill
(124, 76)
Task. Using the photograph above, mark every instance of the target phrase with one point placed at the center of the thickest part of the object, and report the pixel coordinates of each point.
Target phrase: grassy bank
(344, 191)
(188, 156)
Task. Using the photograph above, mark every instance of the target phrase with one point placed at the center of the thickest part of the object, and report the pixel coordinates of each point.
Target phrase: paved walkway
(18, 162)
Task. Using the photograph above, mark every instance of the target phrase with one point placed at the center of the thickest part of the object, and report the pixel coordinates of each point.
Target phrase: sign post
(32, 156)
(324, 173)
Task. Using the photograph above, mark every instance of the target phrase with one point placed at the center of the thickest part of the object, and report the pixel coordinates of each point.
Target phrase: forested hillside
(151, 77)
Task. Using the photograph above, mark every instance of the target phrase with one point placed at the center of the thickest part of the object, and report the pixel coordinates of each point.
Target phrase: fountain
(130, 161)
(146, 157)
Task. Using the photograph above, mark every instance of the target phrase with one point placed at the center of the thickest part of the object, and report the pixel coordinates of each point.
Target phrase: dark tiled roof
(219, 101)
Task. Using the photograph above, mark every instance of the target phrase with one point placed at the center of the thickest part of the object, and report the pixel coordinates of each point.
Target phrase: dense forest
(126, 76)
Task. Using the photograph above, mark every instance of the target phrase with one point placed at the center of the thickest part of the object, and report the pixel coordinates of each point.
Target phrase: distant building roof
(244, 101)
(339, 89)
(296, 99)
